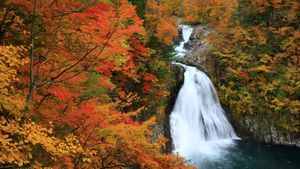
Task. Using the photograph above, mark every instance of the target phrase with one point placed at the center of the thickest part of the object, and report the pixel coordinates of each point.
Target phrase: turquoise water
(248, 155)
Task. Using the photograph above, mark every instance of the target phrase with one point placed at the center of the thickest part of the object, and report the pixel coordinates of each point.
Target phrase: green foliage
(141, 6)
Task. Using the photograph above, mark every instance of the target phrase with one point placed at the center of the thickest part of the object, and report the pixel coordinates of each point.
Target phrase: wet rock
(177, 39)
(199, 50)
(174, 90)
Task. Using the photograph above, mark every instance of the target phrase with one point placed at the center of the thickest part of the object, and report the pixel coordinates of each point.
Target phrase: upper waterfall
(198, 122)
(186, 33)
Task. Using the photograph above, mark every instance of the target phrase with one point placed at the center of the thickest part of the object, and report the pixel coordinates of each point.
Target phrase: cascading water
(198, 124)
(186, 33)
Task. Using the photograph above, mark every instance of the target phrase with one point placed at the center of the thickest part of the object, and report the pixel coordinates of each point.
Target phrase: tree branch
(31, 86)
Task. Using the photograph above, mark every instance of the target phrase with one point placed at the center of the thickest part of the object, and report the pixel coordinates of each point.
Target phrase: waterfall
(199, 126)
(186, 33)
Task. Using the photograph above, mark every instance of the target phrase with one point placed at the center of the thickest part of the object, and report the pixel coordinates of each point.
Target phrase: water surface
(249, 155)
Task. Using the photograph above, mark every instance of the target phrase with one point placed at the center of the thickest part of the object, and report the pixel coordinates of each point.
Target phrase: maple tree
(19, 140)
(89, 75)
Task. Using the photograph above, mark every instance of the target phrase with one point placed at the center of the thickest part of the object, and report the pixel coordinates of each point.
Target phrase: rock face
(174, 90)
(199, 51)
(251, 128)
(177, 39)
(255, 129)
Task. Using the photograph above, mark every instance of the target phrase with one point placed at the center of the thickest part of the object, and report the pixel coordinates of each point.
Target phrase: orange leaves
(104, 24)
(147, 87)
(191, 10)
(106, 83)
(61, 92)
(166, 31)
(261, 5)
(105, 68)
(95, 22)
(150, 77)
(244, 76)
(138, 48)
(104, 7)
(97, 9)
(80, 78)
(161, 22)
(86, 116)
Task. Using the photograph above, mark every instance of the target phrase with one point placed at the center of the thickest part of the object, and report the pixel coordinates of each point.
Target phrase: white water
(186, 33)
(199, 127)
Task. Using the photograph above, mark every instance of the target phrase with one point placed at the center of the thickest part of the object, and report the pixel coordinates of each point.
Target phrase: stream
(202, 134)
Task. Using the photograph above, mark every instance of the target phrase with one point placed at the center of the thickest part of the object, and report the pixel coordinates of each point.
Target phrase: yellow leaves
(87, 160)
(261, 5)
(120, 59)
(261, 36)
(276, 3)
(10, 60)
(294, 106)
(19, 151)
(284, 30)
(258, 59)
(234, 72)
(30, 156)
(127, 99)
(277, 103)
(136, 112)
(266, 59)
(245, 103)
(135, 145)
(288, 127)
(106, 108)
(106, 83)
(292, 14)
(260, 68)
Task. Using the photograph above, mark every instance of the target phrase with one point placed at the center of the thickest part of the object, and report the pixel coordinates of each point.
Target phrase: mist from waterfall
(199, 127)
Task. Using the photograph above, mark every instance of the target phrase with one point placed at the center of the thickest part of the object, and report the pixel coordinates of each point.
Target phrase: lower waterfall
(198, 123)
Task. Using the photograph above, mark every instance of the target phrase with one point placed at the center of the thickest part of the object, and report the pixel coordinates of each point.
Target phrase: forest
(86, 83)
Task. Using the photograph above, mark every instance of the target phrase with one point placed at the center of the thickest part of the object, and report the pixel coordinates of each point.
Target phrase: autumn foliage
(255, 47)
(75, 80)
(260, 62)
